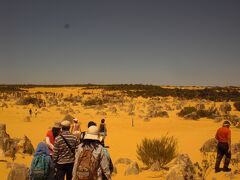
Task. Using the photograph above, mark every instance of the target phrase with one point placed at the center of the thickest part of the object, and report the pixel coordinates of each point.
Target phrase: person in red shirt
(223, 136)
(51, 135)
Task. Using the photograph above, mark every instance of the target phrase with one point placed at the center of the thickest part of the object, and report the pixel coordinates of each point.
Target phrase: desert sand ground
(122, 137)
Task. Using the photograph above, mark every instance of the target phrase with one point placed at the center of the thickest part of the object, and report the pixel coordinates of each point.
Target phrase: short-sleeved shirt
(223, 134)
(51, 138)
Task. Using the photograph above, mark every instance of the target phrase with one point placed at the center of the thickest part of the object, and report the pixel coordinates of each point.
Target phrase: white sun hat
(65, 123)
(92, 133)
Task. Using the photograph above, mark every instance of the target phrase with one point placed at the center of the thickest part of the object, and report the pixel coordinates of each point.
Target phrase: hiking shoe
(217, 170)
(227, 169)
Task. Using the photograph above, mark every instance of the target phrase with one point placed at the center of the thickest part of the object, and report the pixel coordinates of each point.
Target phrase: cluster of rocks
(10, 146)
(180, 168)
(18, 172)
(132, 167)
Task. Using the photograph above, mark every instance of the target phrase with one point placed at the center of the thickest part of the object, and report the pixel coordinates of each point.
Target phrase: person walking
(90, 123)
(51, 136)
(103, 131)
(36, 112)
(64, 152)
(75, 129)
(42, 166)
(30, 112)
(91, 161)
(223, 136)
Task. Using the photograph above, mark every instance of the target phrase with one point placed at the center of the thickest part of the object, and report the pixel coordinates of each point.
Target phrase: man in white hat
(64, 152)
(91, 161)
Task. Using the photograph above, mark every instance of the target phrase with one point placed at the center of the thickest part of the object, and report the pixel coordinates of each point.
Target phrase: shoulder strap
(69, 146)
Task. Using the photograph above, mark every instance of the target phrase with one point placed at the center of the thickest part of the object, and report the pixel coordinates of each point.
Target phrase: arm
(105, 165)
(216, 136)
(49, 144)
(229, 141)
(56, 151)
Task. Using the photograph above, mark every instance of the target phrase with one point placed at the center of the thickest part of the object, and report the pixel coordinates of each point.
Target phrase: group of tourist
(69, 153)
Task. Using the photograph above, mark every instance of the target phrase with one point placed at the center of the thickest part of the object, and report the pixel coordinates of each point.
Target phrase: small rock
(209, 146)
(27, 119)
(123, 161)
(155, 167)
(192, 116)
(180, 168)
(175, 173)
(132, 169)
(18, 172)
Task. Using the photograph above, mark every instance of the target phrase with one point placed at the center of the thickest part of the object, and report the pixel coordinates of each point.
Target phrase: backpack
(111, 168)
(39, 167)
(87, 165)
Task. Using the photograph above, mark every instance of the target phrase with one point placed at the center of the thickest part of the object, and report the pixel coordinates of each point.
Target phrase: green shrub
(187, 110)
(237, 105)
(161, 150)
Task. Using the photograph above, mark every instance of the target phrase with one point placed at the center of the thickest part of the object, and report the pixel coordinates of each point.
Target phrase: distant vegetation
(4, 88)
(160, 151)
(194, 113)
(187, 110)
(237, 105)
(94, 102)
(31, 100)
(135, 90)
(213, 93)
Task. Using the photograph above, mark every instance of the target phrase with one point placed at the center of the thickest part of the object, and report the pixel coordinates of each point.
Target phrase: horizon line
(105, 84)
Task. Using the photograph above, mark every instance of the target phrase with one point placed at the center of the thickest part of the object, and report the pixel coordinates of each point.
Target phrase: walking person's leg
(60, 172)
(220, 154)
(69, 169)
(227, 160)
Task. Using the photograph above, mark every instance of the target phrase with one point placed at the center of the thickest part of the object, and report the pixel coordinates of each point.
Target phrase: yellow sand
(122, 137)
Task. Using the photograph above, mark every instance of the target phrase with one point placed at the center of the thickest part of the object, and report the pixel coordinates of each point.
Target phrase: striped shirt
(61, 152)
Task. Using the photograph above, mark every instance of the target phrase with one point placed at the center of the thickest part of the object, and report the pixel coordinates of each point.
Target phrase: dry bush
(161, 150)
(210, 113)
(187, 110)
(31, 100)
(94, 102)
(237, 105)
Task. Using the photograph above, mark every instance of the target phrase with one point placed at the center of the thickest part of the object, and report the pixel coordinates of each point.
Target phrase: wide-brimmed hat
(226, 123)
(57, 125)
(92, 133)
(65, 123)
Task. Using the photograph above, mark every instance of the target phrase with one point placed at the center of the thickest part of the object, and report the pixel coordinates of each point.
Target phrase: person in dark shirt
(103, 131)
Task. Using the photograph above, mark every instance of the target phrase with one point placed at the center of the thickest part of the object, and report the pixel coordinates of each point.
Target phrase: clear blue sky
(126, 41)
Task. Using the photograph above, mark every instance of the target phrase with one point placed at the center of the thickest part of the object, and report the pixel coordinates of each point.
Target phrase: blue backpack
(40, 167)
